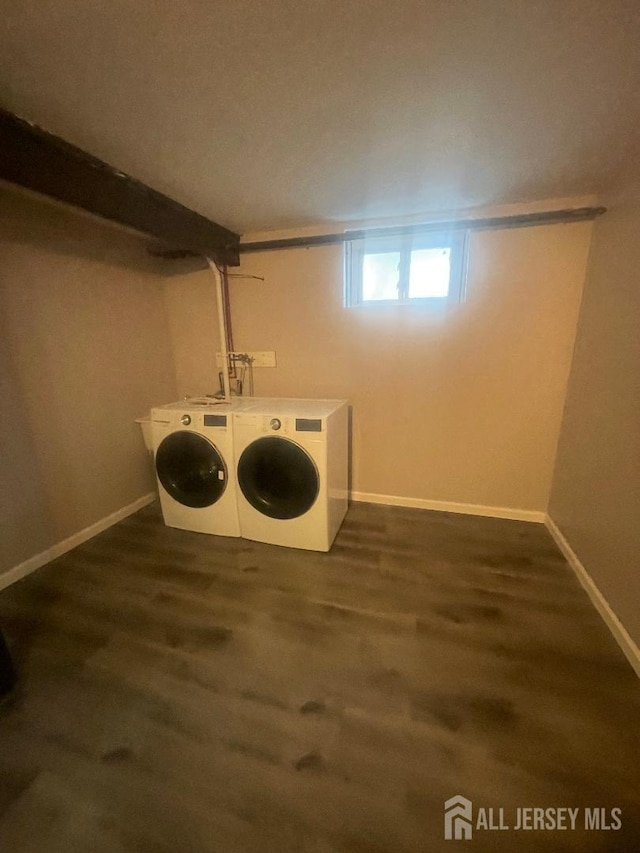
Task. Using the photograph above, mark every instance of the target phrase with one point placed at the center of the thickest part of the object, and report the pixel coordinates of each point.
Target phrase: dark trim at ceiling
(43, 163)
(524, 220)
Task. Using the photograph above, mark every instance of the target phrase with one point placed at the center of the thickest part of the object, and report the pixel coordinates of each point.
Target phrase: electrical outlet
(263, 359)
(260, 359)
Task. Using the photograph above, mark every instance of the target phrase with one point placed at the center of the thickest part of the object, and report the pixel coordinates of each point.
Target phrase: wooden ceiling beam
(43, 163)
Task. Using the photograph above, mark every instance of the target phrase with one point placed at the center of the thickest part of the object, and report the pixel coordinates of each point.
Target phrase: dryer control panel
(275, 424)
(279, 424)
(308, 424)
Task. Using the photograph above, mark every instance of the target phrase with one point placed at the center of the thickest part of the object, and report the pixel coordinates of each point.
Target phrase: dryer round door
(191, 469)
(278, 477)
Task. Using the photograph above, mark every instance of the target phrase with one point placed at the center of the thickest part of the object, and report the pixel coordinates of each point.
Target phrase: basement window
(407, 269)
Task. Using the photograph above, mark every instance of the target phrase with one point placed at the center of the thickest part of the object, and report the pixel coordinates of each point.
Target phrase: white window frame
(405, 243)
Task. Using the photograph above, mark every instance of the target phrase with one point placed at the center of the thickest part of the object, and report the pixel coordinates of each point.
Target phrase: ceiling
(284, 113)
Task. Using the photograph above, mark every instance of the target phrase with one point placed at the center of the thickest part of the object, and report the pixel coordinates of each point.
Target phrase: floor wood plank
(183, 692)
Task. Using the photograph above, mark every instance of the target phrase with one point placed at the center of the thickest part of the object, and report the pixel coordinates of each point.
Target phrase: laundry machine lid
(278, 477)
(191, 469)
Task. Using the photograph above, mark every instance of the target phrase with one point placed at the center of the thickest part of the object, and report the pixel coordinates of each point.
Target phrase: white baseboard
(620, 633)
(14, 574)
(446, 506)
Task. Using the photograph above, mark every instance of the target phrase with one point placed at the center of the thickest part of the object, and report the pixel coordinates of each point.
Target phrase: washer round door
(278, 477)
(191, 469)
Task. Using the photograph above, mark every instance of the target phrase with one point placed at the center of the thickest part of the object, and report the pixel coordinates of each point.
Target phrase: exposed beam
(523, 220)
(43, 163)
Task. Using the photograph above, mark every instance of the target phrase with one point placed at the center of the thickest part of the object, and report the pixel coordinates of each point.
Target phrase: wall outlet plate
(260, 359)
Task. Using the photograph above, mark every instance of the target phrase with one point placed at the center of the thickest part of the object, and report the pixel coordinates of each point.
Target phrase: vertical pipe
(223, 330)
(233, 372)
(227, 307)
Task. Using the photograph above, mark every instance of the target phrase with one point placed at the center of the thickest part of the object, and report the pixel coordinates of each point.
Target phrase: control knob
(186, 419)
(275, 423)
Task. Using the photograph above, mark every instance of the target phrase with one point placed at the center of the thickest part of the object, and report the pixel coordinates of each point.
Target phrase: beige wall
(84, 349)
(463, 408)
(595, 499)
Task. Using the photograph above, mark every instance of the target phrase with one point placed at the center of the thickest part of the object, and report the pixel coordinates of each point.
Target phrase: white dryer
(292, 471)
(195, 464)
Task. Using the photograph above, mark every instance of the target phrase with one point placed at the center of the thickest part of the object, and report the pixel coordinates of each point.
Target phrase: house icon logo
(458, 813)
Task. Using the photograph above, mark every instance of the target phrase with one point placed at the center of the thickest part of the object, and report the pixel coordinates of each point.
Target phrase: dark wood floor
(182, 692)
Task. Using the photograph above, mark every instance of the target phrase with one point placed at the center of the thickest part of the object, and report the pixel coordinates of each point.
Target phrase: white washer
(292, 471)
(195, 464)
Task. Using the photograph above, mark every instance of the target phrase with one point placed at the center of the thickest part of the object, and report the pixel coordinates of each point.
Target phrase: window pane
(380, 276)
(430, 272)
